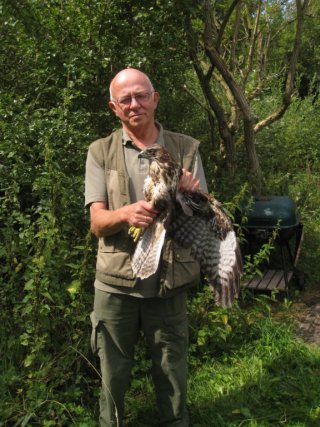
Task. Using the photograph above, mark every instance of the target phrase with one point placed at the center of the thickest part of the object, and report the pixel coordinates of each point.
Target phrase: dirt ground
(306, 309)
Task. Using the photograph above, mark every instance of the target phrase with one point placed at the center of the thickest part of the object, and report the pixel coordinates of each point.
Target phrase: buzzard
(194, 220)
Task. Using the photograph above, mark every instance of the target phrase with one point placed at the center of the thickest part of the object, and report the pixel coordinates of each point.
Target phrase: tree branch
(192, 95)
(225, 20)
(253, 44)
(286, 99)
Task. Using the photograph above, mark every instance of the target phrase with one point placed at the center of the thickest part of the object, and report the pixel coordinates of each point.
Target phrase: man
(124, 305)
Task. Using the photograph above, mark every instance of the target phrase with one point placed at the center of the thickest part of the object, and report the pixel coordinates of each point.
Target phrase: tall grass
(268, 378)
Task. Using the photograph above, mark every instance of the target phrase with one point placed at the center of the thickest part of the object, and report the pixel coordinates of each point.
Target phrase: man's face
(134, 99)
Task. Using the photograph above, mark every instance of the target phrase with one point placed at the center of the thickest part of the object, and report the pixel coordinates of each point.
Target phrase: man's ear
(112, 106)
(156, 97)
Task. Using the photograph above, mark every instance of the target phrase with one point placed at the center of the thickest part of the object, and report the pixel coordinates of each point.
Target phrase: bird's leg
(135, 232)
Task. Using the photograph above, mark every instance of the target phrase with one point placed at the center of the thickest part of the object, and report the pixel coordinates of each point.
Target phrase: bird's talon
(135, 232)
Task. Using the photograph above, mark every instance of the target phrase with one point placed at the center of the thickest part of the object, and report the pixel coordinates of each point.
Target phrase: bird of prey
(194, 220)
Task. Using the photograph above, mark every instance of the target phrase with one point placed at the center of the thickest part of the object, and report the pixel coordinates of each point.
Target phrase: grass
(270, 382)
(272, 379)
(246, 368)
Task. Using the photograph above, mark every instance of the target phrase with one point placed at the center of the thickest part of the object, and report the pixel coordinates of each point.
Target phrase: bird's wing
(210, 235)
(147, 254)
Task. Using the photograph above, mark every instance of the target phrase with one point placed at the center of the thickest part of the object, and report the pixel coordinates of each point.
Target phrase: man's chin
(137, 121)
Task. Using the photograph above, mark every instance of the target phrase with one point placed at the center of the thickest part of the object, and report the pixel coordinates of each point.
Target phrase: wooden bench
(271, 279)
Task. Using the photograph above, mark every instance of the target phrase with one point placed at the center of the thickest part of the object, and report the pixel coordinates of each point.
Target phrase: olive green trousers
(117, 321)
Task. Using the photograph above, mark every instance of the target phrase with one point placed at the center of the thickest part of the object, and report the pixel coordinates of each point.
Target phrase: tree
(231, 48)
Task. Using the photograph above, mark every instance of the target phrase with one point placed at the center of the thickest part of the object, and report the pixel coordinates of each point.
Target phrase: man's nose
(134, 102)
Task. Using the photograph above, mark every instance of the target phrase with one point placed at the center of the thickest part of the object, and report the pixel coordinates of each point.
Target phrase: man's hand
(188, 182)
(141, 217)
(105, 222)
(140, 214)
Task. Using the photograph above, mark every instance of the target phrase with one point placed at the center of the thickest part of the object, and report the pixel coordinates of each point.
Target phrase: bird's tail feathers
(225, 278)
(147, 254)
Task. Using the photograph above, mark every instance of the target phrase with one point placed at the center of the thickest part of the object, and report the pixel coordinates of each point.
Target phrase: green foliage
(42, 253)
(246, 368)
(258, 385)
(253, 263)
(206, 318)
(291, 146)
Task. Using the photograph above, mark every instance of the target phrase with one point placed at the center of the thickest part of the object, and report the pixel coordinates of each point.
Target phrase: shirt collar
(126, 141)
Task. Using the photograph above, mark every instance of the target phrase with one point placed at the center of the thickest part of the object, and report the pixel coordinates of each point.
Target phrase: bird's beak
(144, 154)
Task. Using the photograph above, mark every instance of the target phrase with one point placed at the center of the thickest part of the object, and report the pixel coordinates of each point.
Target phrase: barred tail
(147, 254)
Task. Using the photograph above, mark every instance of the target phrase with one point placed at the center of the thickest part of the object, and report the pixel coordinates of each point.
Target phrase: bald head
(129, 76)
(134, 101)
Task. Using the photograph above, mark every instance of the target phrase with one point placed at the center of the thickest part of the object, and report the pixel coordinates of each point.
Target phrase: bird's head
(155, 152)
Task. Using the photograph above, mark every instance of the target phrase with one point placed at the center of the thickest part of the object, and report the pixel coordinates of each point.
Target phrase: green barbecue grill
(259, 219)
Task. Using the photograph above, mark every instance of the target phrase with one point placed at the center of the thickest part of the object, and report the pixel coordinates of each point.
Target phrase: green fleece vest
(178, 268)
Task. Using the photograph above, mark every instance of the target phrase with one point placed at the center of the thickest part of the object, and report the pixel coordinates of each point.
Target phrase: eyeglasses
(141, 98)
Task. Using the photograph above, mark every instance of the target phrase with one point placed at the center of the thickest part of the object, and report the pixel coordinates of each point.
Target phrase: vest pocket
(179, 268)
(114, 260)
(185, 268)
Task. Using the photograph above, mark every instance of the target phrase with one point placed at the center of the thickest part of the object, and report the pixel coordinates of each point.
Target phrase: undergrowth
(246, 369)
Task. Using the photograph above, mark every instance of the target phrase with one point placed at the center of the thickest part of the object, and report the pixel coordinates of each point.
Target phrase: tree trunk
(248, 121)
